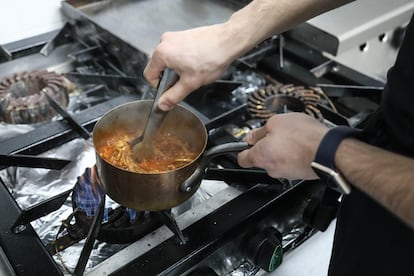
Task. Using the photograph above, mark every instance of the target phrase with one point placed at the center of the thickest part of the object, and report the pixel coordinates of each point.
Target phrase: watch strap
(325, 154)
(324, 163)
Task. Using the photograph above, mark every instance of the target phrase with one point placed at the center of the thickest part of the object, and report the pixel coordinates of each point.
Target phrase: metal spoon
(141, 147)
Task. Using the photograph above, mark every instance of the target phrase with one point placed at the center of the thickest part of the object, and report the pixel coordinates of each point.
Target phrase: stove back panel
(141, 23)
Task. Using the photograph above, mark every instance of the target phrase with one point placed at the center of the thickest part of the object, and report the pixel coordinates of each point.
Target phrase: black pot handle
(208, 155)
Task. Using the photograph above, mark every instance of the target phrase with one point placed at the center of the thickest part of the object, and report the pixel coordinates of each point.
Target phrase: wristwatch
(324, 165)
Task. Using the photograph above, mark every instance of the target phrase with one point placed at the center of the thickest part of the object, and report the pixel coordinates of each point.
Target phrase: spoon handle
(155, 118)
(168, 78)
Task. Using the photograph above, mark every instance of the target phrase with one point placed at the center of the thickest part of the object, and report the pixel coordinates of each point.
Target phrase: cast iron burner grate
(275, 99)
(22, 98)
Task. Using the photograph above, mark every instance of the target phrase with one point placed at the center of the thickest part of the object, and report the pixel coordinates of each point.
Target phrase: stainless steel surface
(140, 145)
(141, 23)
(373, 57)
(360, 35)
(353, 24)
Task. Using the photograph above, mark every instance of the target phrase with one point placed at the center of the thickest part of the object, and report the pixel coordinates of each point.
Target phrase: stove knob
(264, 248)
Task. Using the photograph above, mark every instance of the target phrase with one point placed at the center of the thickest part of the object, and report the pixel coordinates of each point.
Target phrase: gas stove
(239, 222)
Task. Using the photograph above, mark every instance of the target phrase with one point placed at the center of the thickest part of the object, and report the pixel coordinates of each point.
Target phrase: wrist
(249, 26)
(324, 163)
(237, 38)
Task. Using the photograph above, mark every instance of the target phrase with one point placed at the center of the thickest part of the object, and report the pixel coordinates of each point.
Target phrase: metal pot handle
(208, 155)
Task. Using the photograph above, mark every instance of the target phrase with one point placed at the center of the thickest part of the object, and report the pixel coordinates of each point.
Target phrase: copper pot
(156, 191)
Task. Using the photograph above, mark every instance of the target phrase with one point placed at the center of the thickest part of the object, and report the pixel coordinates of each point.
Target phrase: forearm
(263, 18)
(385, 176)
(201, 55)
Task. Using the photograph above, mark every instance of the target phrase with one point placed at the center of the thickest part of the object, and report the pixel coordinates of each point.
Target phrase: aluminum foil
(30, 186)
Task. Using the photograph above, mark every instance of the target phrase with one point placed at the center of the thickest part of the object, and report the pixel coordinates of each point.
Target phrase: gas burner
(119, 224)
(275, 99)
(22, 100)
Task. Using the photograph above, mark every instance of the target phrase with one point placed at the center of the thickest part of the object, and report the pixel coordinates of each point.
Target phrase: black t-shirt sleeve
(398, 97)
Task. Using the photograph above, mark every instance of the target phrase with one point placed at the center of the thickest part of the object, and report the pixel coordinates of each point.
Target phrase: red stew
(170, 153)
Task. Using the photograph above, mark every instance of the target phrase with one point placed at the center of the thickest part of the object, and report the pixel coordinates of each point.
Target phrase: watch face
(339, 182)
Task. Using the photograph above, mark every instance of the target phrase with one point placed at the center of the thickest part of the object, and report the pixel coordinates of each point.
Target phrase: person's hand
(199, 56)
(285, 146)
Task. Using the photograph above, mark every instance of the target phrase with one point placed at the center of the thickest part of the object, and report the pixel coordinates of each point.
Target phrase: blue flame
(89, 193)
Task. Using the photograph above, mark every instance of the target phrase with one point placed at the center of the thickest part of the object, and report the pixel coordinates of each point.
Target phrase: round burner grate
(275, 99)
(22, 100)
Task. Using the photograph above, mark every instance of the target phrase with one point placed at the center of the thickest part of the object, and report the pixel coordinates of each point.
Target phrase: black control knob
(264, 248)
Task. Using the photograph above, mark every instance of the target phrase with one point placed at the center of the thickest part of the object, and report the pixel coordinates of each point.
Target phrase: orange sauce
(170, 153)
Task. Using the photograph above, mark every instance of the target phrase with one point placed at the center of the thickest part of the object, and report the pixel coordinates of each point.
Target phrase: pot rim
(116, 108)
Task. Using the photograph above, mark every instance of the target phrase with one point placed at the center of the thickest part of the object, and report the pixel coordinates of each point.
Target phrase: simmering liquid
(170, 153)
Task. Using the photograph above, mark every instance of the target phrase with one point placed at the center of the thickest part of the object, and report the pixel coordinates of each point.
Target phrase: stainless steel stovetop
(240, 221)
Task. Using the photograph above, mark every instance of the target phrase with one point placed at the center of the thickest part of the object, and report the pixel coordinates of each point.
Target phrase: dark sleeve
(397, 106)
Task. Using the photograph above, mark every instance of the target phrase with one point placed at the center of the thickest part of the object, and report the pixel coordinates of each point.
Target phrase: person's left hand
(285, 146)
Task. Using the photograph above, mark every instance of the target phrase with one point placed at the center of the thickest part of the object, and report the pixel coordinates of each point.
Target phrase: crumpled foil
(30, 186)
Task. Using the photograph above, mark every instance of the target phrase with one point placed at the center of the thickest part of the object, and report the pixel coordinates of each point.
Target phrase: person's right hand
(199, 56)
(285, 146)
